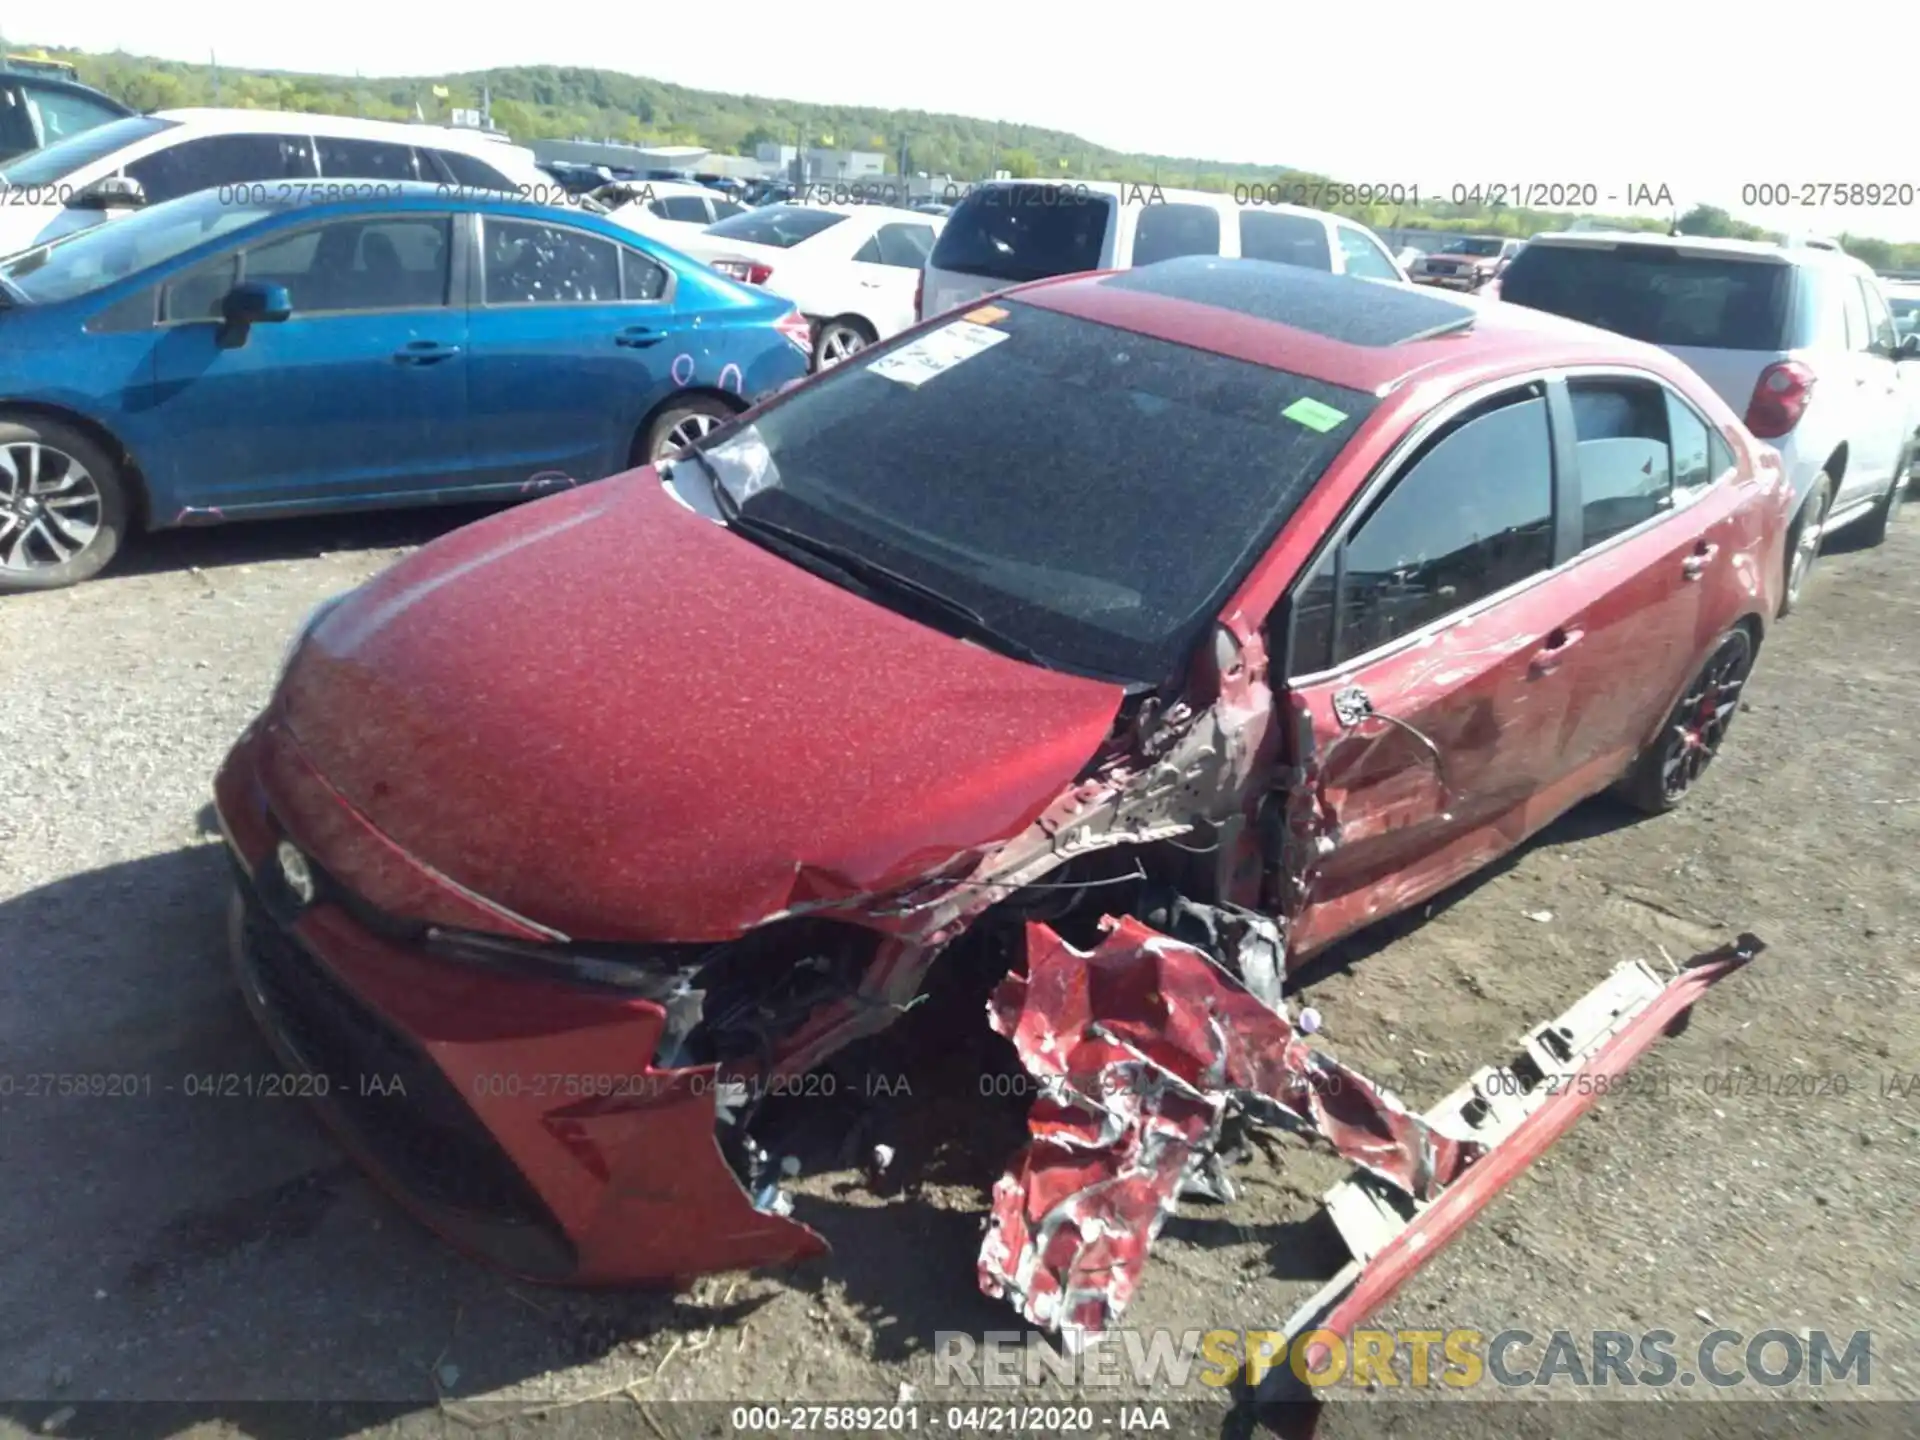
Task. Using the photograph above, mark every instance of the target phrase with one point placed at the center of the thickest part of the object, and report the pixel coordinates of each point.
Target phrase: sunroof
(1340, 307)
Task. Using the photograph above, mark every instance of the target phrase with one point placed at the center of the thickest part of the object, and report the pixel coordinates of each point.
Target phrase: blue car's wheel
(681, 425)
(62, 505)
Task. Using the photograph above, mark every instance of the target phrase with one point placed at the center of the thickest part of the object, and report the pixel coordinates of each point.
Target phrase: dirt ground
(1761, 1173)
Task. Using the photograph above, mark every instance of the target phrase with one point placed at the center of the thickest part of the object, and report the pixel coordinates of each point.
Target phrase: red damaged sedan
(1200, 614)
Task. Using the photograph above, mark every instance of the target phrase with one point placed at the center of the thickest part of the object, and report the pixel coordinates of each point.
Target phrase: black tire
(1679, 755)
(1879, 521)
(691, 417)
(1799, 565)
(847, 335)
(87, 526)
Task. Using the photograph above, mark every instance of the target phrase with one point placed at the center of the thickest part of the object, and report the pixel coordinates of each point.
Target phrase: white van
(56, 189)
(1007, 232)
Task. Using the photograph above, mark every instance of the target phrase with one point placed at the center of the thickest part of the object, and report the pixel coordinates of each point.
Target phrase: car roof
(1362, 334)
(344, 127)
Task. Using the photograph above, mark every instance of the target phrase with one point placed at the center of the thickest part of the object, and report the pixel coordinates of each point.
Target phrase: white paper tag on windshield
(936, 353)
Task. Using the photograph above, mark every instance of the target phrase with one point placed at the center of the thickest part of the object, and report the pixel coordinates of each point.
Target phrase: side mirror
(250, 303)
(1908, 348)
(110, 192)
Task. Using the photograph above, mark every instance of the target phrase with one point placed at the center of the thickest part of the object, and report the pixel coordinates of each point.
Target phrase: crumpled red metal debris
(1142, 1046)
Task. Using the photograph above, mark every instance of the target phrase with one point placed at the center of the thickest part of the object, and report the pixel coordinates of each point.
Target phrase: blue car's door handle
(638, 337)
(425, 352)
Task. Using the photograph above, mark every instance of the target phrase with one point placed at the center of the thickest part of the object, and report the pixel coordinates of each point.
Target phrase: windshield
(1472, 247)
(1092, 493)
(782, 226)
(59, 160)
(96, 258)
(1657, 293)
(1024, 232)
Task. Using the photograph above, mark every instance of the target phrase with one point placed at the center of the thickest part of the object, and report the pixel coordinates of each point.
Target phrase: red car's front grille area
(398, 1106)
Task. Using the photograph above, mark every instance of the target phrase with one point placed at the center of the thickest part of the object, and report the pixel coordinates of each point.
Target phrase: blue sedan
(251, 352)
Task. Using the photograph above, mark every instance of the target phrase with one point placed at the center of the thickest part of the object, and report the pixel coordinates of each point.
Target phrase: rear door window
(1363, 257)
(1657, 293)
(1625, 461)
(1285, 239)
(1025, 232)
(1164, 232)
(531, 263)
(370, 160)
(1883, 339)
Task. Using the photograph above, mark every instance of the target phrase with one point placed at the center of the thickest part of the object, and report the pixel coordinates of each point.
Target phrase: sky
(1615, 96)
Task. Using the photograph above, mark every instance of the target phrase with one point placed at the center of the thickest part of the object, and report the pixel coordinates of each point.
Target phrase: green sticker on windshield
(1314, 415)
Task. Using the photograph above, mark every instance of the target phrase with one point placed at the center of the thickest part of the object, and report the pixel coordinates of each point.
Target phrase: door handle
(639, 337)
(425, 352)
(1695, 565)
(1559, 641)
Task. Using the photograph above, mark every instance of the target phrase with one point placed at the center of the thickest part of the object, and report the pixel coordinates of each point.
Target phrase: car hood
(28, 219)
(611, 715)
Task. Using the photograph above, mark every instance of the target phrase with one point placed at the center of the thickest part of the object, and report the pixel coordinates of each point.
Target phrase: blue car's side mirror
(250, 303)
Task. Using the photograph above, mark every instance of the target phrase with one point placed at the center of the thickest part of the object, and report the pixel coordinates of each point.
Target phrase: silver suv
(1797, 338)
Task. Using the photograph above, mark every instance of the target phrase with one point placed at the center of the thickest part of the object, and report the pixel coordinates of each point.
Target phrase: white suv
(55, 190)
(1798, 338)
(1007, 232)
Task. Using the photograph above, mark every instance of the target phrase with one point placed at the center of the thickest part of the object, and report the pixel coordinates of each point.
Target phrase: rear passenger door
(887, 269)
(574, 340)
(1881, 433)
(1422, 653)
(1653, 534)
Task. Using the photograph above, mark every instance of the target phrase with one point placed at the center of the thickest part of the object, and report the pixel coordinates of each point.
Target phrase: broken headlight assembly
(725, 1000)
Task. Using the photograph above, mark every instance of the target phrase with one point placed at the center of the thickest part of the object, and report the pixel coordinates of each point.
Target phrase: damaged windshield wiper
(866, 574)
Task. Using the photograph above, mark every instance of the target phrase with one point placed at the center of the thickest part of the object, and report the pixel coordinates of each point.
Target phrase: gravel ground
(204, 1251)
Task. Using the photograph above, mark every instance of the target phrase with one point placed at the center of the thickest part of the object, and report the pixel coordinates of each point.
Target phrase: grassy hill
(536, 102)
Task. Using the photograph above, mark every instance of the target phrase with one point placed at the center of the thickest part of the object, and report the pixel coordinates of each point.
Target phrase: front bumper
(1466, 283)
(521, 1119)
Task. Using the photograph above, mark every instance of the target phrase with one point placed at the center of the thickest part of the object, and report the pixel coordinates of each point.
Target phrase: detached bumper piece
(1147, 1048)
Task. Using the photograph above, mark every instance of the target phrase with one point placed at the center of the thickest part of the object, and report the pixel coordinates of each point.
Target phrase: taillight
(747, 272)
(794, 326)
(1780, 398)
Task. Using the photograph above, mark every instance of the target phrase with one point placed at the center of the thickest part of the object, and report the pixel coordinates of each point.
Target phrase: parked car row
(213, 358)
(1800, 340)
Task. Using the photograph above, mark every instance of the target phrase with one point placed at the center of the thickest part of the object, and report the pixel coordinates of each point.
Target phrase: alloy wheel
(1701, 719)
(840, 342)
(692, 427)
(51, 507)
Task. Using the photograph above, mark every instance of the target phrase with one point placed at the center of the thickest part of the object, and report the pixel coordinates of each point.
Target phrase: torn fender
(1143, 1046)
